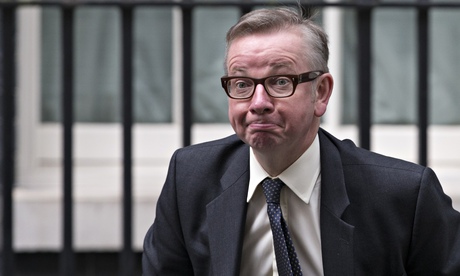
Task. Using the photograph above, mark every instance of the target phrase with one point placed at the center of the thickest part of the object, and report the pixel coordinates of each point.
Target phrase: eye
(280, 82)
(241, 84)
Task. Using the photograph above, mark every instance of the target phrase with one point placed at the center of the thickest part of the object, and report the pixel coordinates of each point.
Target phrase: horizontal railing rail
(242, 4)
(8, 99)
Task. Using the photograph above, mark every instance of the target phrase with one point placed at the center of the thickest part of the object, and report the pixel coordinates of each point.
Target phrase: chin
(262, 141)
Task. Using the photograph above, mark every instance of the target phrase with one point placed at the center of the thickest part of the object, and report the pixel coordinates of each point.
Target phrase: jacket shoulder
(212, 158)
(352, 155)
(215, 148)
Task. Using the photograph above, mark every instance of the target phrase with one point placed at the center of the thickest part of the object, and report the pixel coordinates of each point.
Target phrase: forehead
(280, 49)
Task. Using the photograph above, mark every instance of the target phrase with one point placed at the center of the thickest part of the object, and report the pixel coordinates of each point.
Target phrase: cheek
(299, 115)
(235, 113)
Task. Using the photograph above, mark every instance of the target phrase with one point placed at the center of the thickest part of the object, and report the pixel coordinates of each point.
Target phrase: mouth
(261, 125)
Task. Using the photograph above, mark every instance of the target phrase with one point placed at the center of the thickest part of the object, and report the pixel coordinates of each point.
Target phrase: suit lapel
(226, 216)
(336, 235)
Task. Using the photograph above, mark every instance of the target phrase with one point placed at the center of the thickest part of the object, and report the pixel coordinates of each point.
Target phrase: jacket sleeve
(435, 243)
(164, 248)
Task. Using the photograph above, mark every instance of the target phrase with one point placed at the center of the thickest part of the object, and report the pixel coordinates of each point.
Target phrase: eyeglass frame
(296, 79)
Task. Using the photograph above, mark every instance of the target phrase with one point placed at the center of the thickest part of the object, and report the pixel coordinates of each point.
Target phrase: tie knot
(272, 189)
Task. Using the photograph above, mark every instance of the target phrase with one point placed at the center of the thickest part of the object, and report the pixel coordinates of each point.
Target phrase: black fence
(128, 261)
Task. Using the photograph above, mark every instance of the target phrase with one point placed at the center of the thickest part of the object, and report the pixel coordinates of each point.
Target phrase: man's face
(268, 124)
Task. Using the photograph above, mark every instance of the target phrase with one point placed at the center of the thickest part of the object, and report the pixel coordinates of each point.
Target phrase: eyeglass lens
(277, 86)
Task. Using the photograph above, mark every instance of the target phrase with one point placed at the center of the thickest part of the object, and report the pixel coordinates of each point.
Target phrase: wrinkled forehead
(276, 49)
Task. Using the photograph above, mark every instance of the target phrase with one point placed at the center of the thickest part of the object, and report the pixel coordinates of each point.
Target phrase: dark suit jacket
(379, 215)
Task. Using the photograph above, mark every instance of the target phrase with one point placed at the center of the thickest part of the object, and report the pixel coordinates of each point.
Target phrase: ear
(324, 86)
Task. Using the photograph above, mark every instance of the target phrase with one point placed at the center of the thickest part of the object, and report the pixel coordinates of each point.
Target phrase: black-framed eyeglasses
(279, 86)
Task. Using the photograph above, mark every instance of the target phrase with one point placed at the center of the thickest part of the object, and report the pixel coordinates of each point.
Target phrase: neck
(275, 161)
(274, 164)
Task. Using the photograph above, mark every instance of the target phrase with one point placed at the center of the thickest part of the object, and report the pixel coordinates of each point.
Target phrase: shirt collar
(300, 177)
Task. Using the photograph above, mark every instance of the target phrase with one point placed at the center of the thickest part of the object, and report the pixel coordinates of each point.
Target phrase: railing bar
(423, 110)
(126, 261)
(364, 77)
(187, 98)
(7, 138)
(245, 9)
(67, 259)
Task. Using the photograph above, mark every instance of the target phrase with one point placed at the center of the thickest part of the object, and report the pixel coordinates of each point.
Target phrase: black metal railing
(7, 136)
(7, 100)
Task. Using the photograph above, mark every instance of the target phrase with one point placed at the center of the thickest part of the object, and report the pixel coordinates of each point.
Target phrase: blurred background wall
(158, 82)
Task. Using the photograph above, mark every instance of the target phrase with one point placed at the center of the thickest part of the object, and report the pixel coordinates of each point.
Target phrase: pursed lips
(262, 125)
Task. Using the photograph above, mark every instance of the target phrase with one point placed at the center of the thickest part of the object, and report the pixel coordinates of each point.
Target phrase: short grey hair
(282, 18)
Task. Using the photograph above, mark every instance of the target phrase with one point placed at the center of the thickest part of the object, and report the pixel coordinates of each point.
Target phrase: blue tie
(286, 258)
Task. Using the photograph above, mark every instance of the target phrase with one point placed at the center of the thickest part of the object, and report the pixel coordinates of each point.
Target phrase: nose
(261, 102)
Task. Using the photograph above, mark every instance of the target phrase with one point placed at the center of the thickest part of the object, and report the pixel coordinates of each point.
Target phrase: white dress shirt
(300, 204)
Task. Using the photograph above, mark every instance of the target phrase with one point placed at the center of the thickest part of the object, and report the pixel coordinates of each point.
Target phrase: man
(348, 211)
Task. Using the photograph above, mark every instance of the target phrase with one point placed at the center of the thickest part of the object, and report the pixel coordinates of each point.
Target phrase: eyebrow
(236, 70)
(280, 65)
(274, 66)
